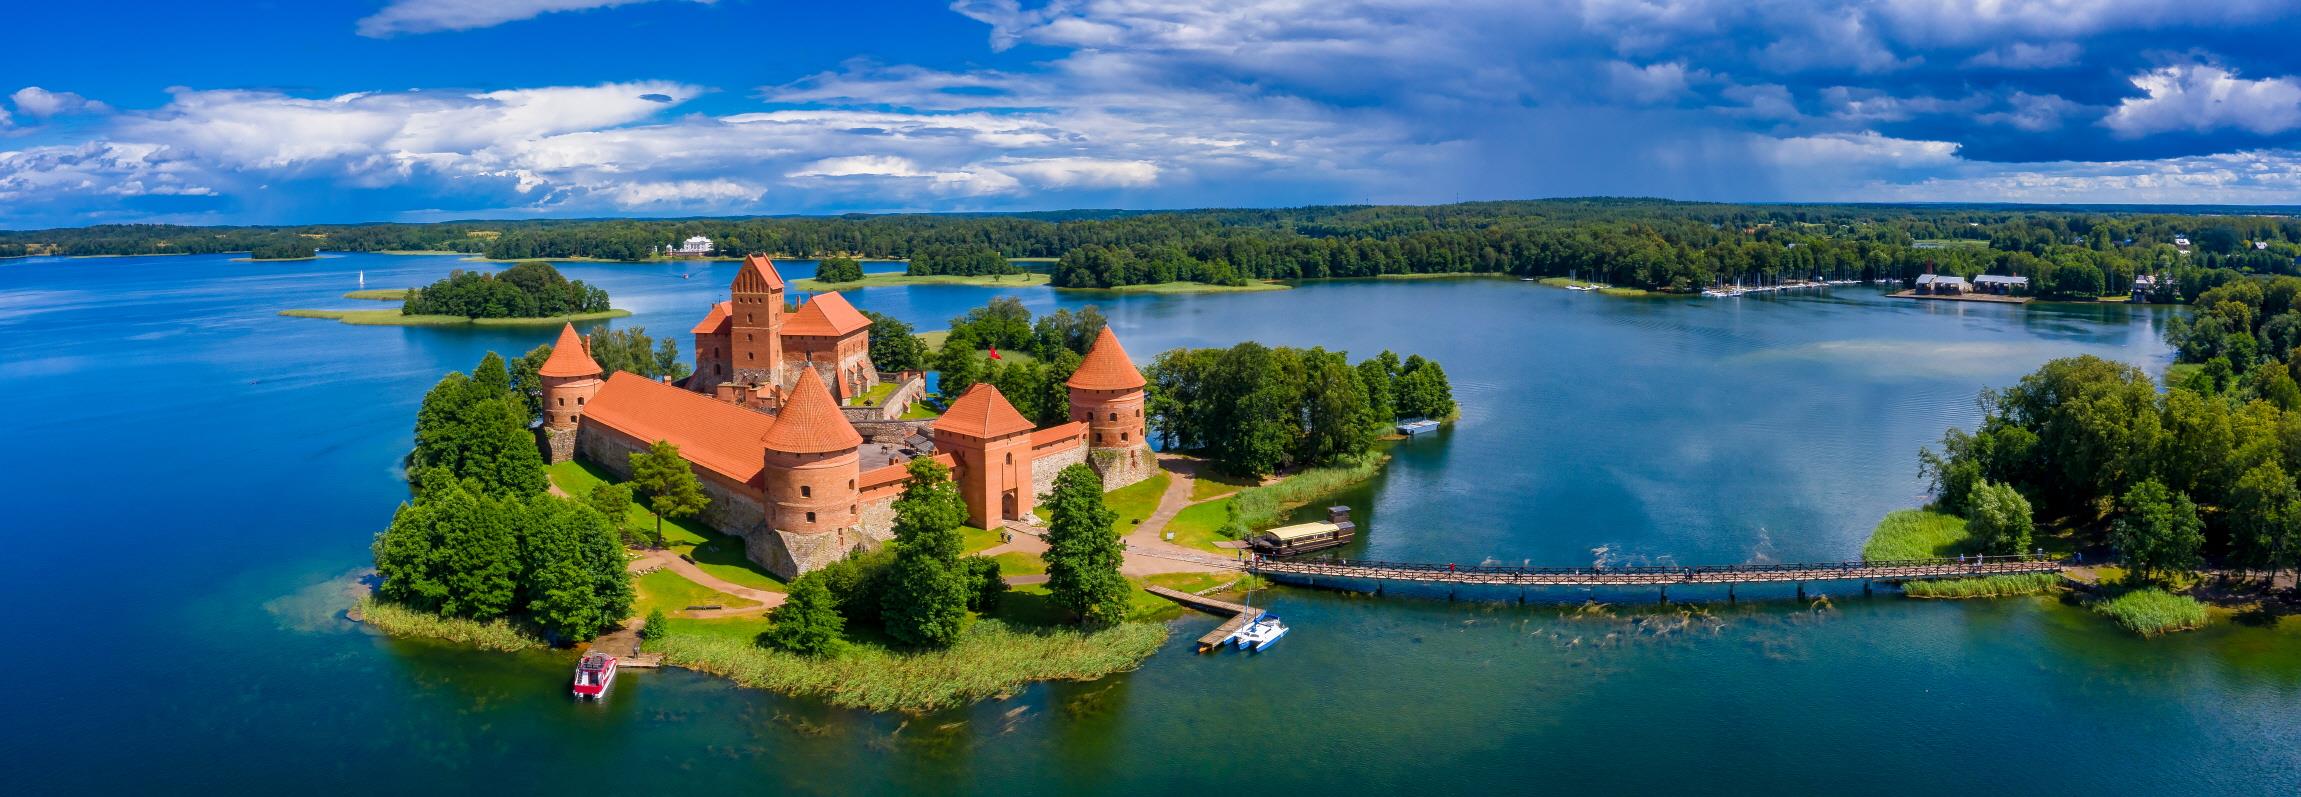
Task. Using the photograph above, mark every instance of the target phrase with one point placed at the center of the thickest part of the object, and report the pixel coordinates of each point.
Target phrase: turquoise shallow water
(198, 476)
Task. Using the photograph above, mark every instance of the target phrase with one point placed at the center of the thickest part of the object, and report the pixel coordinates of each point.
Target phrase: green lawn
(876, 395)
(715, 553)
(1210, 484)
(975, 539)
(1918, 534)
(671, 592)
(1018, 563)
(1200, 526)
(1135, 502)
(1028, 279)
(393, 318)
(919, 411)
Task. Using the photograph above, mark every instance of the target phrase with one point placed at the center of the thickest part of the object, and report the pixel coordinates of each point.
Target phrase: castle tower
(992, 445)
(570, 378)
(1107, 395)
(811, 469)
(755, 345)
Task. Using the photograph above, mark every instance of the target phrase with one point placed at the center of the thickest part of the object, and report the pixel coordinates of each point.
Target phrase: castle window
(1122, 437)
(1114, 416)
(746, 319)
(563, 401)
(1010, 458)
(810, 517)
(747, 356)
(806, 491)
(850, 484)
(1098, 437)
(579, 401)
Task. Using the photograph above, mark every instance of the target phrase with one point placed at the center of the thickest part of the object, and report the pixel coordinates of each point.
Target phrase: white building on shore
(697, 246)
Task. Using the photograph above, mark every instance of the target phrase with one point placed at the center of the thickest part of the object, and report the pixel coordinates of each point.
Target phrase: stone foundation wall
(798, 554)
(558, 445)
(893, 432)
(1120, 467)
(878, 521)
(1046, 464)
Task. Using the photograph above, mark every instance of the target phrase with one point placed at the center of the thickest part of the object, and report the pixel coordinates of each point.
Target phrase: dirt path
(1149, 537)
(652, 559)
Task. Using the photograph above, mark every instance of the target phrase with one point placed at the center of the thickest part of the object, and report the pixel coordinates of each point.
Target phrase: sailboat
(1262, 633)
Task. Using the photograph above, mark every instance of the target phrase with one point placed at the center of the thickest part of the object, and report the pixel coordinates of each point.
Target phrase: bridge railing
(1682, 571)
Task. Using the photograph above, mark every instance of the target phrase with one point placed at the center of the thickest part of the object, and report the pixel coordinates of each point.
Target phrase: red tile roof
(1106, 366)
(982, 412)
(1056, 434)
(827, 315)
(810, 422)
(716, 436)
(760, 265)
(718, 320)
(569, 357)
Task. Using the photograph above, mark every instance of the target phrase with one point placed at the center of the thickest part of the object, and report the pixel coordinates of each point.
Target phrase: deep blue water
(196, 477)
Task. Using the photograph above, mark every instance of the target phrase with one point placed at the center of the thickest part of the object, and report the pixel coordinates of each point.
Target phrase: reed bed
(991, 658)
(1999, 586)
(400, 621)
(1259, 507)
(2152, 611)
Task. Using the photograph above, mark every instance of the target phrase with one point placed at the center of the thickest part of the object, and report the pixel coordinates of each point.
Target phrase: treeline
(1650, 244)
(481, 539)
(839, 268)
(285, 249)
(962, 261)
(1255, 409)
(2166, 480)
(526, 290)
(1057, 342)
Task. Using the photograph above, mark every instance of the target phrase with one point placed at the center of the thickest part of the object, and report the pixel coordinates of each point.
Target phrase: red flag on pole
(994, 352)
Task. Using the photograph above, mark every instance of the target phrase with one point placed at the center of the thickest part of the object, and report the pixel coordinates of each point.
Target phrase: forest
(2073, 252)
(528, 290)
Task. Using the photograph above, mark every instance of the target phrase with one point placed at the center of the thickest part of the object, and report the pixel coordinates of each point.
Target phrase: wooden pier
(1239, 615)
(1908, 570)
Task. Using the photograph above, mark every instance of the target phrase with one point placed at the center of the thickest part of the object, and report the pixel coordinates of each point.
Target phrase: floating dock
(1411, 428)
(1240, 615)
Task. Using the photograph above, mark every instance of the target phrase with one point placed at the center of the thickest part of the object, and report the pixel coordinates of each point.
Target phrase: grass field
(1200, 526)
(1018, 563)
(393, 318)
(671, 592)
(919, 411)
(715, 553)
(1918, 534)
(2151, 611)
(1135, 502)
(1023, 280)
(380, 294)
(1210, 484)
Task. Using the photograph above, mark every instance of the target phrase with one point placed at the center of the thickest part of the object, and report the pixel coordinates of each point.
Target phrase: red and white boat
(593, 675)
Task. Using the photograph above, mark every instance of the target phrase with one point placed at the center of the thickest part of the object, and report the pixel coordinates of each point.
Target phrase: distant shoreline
(393, 318)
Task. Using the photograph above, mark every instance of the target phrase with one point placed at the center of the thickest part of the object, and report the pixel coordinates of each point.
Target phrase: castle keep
(761, 420)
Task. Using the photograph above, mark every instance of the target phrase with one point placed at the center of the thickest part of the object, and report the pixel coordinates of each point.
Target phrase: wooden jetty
(1904, 570)
(1239, 615)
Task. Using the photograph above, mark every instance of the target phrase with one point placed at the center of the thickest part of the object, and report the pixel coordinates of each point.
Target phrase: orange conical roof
(810, 423)
(1106, 366)
(982, 412)
(569, 357)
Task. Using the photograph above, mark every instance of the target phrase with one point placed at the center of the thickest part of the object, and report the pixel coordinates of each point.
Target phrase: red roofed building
(762, 423)
(749, 350)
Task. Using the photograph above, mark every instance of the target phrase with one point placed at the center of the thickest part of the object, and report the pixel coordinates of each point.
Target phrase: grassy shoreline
(1918, 534)
(379, 294)
(2150, 611)
(1181, 288)
(1997, 586)
(393, 318)
(990, 659)
(392, 619)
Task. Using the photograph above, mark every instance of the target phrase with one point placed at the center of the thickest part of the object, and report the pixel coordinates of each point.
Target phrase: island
(528, 293)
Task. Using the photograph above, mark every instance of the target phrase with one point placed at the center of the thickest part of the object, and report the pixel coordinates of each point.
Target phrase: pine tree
(669, 483)
(1084, 551)
(925, 602)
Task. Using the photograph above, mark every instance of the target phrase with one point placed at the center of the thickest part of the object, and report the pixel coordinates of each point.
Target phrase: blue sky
(416, 110)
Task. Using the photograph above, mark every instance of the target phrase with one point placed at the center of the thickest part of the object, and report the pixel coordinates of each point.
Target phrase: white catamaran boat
(1261, 633)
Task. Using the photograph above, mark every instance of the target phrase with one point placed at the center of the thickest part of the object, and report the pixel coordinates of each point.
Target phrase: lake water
(195, 477)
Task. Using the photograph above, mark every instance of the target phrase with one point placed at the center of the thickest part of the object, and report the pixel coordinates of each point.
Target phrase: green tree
(1381, 395)
(839, 268)
(957, 367)
(453, 551)
(985, 585)
(1250, 411)
(1423, 391)
(1083, 549)
(667, 363)
(611, 501)
(1337, 422)
(894, 347)
(475, 428)
(2157, 531)
(527, 382)
(808, 622)
(669, 484)
(2000, 518)
(656, 625)
(2264, 517)
(573, 579)
(925, 599)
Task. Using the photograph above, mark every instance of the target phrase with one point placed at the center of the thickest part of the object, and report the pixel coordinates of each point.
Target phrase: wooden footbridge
(1650, 576)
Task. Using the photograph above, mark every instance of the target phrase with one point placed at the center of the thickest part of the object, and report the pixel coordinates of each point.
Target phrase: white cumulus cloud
(2203, 98)
(431, 16)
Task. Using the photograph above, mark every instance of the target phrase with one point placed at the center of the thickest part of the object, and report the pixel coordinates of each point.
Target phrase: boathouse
(2001, 285)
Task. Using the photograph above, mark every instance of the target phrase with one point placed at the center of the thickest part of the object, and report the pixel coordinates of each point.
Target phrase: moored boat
(593, 675)
(1261, 633)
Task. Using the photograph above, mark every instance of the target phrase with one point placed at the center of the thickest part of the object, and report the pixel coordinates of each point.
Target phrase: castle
(787, 471)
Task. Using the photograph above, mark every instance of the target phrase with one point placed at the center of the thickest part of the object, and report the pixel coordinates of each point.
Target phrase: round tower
(1107, 394)
(812, 465)
(570, 378)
